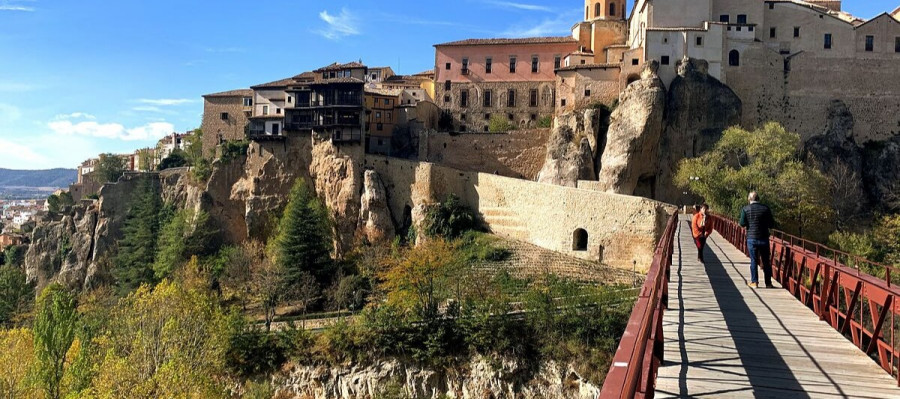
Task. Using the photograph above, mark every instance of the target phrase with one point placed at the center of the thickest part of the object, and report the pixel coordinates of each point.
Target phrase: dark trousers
(701, 243)
(759, 253)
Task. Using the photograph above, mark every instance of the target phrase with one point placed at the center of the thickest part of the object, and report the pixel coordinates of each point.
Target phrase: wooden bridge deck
(725, 339)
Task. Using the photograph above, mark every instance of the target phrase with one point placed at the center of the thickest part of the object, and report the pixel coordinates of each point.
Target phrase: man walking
(757, 219)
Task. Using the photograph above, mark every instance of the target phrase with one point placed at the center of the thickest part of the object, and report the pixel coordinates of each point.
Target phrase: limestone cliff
(375, 221)
(571, 149)
(698, 109)
(630, 157)
(481, 378)
(76, 249)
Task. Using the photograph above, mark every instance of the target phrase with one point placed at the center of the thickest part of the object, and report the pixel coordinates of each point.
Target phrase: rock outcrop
(630, 156)
(698, 109)
(375, 221)
(481, 379)
(571, 148)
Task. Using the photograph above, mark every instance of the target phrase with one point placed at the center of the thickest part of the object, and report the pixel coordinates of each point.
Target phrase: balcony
(346, 137)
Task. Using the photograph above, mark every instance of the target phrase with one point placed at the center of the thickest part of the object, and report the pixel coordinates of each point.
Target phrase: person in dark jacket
(757, 219)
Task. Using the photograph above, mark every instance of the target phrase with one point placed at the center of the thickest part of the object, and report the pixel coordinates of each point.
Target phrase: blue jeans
(759, 249)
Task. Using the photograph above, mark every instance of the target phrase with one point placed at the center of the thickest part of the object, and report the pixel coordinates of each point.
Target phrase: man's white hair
(753, 196)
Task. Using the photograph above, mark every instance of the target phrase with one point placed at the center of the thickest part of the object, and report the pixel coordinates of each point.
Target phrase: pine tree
(304, 240)
(137, 248)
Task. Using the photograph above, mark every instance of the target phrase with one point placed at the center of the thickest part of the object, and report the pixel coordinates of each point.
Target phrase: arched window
(612, 9)
(598, 9)
(579, 240)
(587, 12)
(734, 58)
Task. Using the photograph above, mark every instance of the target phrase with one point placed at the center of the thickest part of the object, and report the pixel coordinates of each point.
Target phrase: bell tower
(610, 10)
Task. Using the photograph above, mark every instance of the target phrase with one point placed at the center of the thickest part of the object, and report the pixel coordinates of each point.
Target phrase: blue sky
(78, 78)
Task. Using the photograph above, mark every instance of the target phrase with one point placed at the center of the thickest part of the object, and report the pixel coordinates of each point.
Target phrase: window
(579, 240)
(388, 115)
(447, 67)
(562, 102)
(248, 102)
(374, 76)
(897, 44)
(557, 61)
(870, 43)
(465, 66)
(378, 115)
(511, 98)
(634, 61)
(510, 116)
(772, 33)
(447, 85)
(742, 18)
(828, 40)
(487, 98)
(598, 9)
(771, 6)
(734, 58)
(535, 61)
(387, 101)
(462, 128)
(534, 117)
(446, 99)
(487, 128)
(487, 116)
(533, 101)
(699, 41)
(796, 31)
(290, 99)
(462, 117)
(664, 60)
(464, 98)
(379, 126)
(488, 64)
(724, 18)
(278, 111)
(612, 9)
(587, 92)
(224, 116)
(512, 64)
(265, 109)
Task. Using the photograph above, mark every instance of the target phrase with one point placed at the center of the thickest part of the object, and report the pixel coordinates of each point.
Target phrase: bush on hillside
(449, 219)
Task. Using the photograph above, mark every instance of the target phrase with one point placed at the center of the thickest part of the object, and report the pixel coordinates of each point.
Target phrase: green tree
(14, 255)
(303, 241)
(137, 248)
(500, 124)
(418, 279)
(53, 203)
(145, 158)
(176, 159)
(765, 160)
(182, 235)
(887, 237)
(54, 330)
(110, 167)
(450, 219)
(16, 294)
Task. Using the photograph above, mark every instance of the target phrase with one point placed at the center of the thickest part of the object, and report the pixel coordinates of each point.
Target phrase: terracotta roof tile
(525, 40)
(232, 93)
(336, 66)
(337, 80)
(588, 66)
(305, 76)
(278, 83)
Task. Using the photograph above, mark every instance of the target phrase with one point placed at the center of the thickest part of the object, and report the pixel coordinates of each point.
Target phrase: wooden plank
(724, 339)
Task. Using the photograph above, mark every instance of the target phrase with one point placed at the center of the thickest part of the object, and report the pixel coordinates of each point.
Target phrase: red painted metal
(836, 290)
(640, 352)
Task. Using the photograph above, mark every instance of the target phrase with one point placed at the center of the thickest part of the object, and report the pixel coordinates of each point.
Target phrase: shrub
(252, 352)
(450, 219)
(232, 150)
(16, 295)
(545, 121)
(176, 159)
(202, 170)
(500, 124)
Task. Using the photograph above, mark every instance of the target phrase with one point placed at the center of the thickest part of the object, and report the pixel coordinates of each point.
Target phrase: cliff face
(480, 379)
(630, 157)
(571, 148)
(76, 250)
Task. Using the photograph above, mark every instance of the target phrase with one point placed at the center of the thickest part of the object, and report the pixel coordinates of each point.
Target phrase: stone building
(225, 118)
(269, 102)
(381, 118)
(329, 102)
(477, 79)
(376, 75)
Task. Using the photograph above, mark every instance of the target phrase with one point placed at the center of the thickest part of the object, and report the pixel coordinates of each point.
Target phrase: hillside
(55, 178)
(25, 184)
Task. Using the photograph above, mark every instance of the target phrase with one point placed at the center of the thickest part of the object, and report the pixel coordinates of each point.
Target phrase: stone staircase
(504, 222)
(528, 260)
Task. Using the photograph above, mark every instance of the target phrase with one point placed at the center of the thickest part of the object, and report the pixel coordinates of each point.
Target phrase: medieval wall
(218, 127)
(799, 96)
(621, 230)
(518, 153)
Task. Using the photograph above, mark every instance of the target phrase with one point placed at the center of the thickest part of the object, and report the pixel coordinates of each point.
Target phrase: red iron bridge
(697, 330)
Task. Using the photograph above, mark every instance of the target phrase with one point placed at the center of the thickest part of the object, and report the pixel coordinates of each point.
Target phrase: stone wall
(519, 153)
(215, 129)
(475, 117)
(798, 97)
(621, 230)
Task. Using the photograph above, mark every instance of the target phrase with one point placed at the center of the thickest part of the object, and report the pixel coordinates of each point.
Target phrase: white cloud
(340, 25)
(165, 101)
(154, 130)
(520, 6)
(20, 156)
(13, 7)
(560, 25)
(75, 115)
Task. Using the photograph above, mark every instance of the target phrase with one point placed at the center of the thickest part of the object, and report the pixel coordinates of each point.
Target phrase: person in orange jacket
(701, 228)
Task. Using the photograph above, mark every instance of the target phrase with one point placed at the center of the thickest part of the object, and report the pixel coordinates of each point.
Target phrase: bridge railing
(640, 352)
(836, 286)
